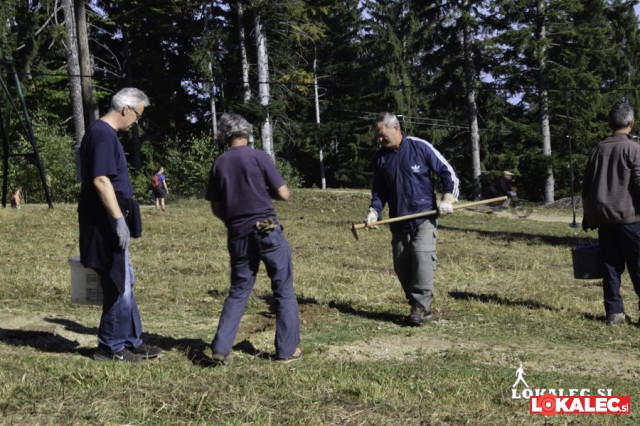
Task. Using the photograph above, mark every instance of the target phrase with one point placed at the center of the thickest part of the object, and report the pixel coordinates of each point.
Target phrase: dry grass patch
(504, 294)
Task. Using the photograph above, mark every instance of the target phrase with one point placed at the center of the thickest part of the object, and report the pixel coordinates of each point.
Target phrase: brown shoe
(615, 319)
(222, 359)
(297, 355)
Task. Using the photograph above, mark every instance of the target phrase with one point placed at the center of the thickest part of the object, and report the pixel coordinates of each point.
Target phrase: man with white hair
(402, 170)
(108, 216)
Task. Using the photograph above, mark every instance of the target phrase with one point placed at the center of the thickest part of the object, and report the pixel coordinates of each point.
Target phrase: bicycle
(519, 207)
(516, 206)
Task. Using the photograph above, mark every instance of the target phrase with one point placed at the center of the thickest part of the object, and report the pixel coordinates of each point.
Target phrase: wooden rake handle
(356, 226)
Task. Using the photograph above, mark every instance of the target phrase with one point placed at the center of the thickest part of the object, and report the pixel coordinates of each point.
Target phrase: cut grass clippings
(505, 294)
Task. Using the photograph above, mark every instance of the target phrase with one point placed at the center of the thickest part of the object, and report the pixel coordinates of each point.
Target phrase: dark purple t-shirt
(102, 155)
(241, 181)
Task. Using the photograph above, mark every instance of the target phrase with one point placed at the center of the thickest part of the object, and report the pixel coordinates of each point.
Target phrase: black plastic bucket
(587, 262)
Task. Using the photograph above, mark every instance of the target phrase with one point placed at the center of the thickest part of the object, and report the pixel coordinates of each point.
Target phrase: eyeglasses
(138, 115)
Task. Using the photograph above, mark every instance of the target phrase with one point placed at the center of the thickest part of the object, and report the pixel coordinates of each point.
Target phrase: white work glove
(122, 230)
(372, 216)
(446, 204)
(512, 193)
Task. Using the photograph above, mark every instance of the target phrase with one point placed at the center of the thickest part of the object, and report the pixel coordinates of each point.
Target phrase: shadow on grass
(342, 307)
(523, 236)
(73, 326)
(530, 304)
(492, 298)
(46, 341)
(372, 315)
(51, 342)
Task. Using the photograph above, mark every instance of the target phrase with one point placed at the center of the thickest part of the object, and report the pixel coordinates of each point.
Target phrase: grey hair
(388, 119)
(129, 96)
(621, 116)
(233, 126)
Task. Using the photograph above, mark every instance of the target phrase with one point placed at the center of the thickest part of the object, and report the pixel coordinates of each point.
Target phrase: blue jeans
(120, 324)
(414, 261)
(246, 253)
(619, 246)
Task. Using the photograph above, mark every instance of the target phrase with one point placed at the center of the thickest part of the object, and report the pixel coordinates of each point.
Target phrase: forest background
(494, 85)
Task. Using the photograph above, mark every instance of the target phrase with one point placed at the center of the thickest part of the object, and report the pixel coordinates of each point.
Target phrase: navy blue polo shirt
(101, 154)
(242, 181)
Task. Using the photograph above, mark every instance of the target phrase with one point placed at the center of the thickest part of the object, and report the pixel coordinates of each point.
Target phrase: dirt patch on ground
(397, 348)
(408, 348)
(538, 217)
(255, 337)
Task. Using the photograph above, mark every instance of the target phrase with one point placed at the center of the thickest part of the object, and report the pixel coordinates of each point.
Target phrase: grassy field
(505, 294)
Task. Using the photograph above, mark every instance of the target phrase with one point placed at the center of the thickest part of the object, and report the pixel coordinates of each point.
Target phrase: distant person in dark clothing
(501, 186)
(242, 184)
(108, 217)
(611, 203)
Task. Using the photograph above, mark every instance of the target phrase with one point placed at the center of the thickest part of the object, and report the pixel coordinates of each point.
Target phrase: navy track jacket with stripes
(402, 178)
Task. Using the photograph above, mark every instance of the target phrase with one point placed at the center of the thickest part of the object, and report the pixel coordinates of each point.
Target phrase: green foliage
(187, 165)
(290, 175)
(56, 153)
(406, 57)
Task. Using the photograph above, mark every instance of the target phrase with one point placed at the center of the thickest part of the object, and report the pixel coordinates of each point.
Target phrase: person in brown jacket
(611, 203)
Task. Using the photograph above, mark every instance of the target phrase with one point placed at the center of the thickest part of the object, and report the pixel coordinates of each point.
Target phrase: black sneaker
(123, 355)
(418, 315)
(146, 351)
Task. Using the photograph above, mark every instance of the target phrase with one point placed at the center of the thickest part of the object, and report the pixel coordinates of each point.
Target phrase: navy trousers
(246, 254)
(120, 324)
(620, 246)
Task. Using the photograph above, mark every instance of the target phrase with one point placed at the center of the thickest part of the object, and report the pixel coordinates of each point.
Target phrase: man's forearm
(107, 196)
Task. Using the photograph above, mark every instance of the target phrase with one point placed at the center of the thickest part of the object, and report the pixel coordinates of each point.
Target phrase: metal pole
(5, 159)
(31, 136)
(573, 196)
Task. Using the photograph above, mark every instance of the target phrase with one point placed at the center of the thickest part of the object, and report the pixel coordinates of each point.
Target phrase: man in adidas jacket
(402, 170)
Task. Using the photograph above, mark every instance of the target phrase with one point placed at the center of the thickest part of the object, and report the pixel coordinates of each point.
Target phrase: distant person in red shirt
(160, 192)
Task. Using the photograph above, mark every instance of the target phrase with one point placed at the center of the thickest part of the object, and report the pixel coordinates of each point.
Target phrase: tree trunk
(472, 110)
(135, 136)
(73, 70)
(89, 103)
(263, 85)
(544, 101)
(214, 118)
(246, 89)
(323, 181)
